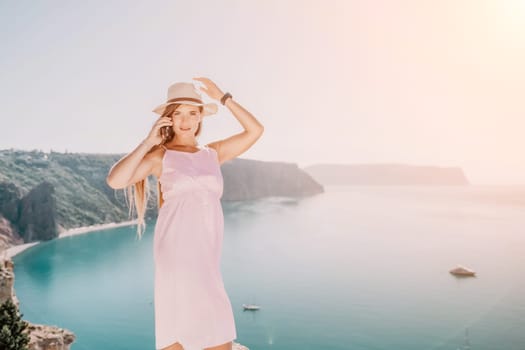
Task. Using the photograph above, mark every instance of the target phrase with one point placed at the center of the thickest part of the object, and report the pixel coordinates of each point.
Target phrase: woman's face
(186, 119)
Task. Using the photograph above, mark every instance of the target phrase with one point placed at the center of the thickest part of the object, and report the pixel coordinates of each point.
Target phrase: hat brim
(208, 108)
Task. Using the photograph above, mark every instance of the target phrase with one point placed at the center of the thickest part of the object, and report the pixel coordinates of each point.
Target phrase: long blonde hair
(140, 191)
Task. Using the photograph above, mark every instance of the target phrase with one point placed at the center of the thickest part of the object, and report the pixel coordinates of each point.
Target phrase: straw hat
(186, 93)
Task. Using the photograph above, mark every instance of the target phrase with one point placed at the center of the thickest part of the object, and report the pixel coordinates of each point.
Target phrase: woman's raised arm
(138, 164)
(123, 172)
(237, 144)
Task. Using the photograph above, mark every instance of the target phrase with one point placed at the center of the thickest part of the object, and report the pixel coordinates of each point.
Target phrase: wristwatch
(225, 97)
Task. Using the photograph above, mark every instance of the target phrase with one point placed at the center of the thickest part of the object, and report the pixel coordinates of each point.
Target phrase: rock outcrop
(9, 201)
(7, 282)
(44, 337)
(37, 218)
(27, 218)
(8, 235)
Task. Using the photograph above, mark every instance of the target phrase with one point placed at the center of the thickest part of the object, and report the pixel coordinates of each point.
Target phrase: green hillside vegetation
(79, 181)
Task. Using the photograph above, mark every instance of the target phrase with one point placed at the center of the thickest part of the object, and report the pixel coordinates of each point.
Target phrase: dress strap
(163, 146)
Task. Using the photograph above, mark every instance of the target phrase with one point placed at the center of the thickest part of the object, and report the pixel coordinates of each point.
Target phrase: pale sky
(409, 81)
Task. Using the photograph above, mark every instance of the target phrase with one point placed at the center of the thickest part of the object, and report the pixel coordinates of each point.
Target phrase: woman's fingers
(205, 81)
(163, 121)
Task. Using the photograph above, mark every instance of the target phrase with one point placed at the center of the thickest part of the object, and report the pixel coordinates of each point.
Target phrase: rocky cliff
(27, 218)
(251, 179)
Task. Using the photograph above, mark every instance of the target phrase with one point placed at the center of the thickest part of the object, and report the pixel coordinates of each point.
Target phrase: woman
(192, 309)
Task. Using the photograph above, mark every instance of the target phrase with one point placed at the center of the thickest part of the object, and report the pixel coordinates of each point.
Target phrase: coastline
(16, 249)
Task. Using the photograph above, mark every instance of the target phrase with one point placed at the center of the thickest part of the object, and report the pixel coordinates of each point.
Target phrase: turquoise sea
(357, 267)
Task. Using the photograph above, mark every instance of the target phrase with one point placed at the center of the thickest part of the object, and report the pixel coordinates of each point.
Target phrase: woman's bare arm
(237, 144)
(131, 168)
(140, 163)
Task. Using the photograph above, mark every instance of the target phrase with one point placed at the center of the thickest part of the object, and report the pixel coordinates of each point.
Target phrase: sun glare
(510, 16)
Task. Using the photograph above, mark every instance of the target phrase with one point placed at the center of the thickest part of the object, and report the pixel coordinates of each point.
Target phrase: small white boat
(250, 307)
(462, 271)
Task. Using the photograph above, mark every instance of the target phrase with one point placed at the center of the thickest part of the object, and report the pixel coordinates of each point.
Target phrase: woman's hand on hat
(211, 89)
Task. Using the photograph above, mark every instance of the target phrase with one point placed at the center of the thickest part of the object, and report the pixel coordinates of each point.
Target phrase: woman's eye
(179, 115)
